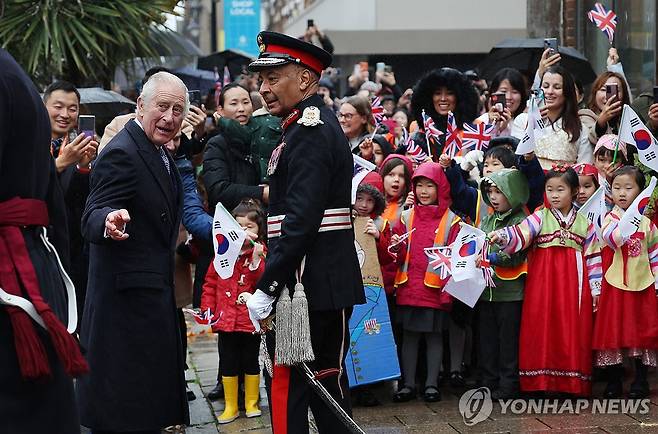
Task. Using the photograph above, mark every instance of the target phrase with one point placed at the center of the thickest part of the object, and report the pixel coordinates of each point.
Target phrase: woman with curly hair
(438, 92)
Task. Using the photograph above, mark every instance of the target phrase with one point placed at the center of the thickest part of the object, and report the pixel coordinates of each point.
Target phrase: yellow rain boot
(230, 400)
(251, 389)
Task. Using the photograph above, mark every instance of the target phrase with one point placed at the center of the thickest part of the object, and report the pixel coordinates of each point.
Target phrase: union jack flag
(439, 260)
(477, 136)
(606, 20)
(430, 128)
(206, 318)
(414, 150)
(453, 139)
(219, 84)
(377, 110)
(485, 265)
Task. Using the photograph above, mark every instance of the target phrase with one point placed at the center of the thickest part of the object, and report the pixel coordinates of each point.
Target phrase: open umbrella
(524, 55)
(104, 103)
(236, 60)
(196, 79)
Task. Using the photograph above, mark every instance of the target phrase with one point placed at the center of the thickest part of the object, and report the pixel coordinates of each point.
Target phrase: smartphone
(380, 66)
(195, 97)
(388, 68)
(655, 94)
(309, 23)
(551, 44)
(498, 98)
(87, 125)
(611, 90)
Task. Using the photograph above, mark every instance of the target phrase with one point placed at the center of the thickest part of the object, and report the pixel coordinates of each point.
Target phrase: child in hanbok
(563, 264)
(627, 318)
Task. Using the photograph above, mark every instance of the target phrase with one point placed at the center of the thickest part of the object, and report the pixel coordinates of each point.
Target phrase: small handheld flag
(534, 126)
(632, 130)
(595, 210)
(605, 20)
(453, 139)
(414, 150)
(477, 136)
(430, 129)
(204, 318)
(361, 168)
(630, 221)
(227, 237)
(465, 251)
(439, 260)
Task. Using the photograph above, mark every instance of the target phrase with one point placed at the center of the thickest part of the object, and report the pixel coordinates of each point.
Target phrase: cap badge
(310, 117)
(261, 45)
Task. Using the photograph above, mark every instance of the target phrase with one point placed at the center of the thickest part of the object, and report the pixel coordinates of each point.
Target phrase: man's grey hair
(164, 79)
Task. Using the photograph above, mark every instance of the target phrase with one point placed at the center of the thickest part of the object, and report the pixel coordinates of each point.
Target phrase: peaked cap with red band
(277, 49)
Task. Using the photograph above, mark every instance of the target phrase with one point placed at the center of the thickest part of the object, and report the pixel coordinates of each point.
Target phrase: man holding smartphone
(73, 154)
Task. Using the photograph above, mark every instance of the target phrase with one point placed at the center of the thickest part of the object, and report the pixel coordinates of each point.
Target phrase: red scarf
(16, 272)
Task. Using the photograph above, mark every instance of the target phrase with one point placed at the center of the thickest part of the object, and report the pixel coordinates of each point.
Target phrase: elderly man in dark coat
(131, 219)
(36, 366)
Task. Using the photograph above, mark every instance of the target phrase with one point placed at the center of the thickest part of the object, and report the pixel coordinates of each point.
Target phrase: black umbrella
(236, 61)
(196, 79)
(524, 55)
(104, 103)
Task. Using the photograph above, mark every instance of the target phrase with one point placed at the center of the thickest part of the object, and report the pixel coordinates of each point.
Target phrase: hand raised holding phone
(76, 151)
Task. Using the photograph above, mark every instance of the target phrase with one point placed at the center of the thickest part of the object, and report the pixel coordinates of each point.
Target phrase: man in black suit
(309, 228)
(131, 219)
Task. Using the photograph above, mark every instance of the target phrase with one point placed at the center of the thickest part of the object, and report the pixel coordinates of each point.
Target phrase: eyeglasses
(347, 116)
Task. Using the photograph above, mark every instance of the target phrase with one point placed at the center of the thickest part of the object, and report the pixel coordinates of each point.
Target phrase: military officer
(309, 229)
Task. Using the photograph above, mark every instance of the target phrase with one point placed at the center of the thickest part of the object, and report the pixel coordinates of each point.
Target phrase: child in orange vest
(422, 305)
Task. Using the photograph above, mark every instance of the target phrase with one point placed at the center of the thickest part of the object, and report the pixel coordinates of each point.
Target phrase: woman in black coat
(230, 172)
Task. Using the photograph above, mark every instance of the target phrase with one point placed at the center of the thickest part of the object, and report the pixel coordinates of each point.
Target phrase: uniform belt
(335, 219)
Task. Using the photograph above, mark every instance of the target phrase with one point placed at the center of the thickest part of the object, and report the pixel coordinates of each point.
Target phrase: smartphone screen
(551, 43)
(309, 23)
(499, 98)
(655, 94)
(610, 90)
(87, 125)
(195, 97)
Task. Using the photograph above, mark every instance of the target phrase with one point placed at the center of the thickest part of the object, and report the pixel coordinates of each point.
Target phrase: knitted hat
(373, 184)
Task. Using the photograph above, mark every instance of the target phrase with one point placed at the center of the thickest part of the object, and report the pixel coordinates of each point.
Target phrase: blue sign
(241, 25)
(373, 355)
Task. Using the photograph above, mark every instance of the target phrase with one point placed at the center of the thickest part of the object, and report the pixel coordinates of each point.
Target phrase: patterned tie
(165, 160)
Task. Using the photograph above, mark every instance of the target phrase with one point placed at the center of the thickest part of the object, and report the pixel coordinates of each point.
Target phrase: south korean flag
(630, 221)
(227, 239)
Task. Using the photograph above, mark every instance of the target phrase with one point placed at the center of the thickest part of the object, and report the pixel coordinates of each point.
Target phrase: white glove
(471, 159)
(244, 297)
(259, 306)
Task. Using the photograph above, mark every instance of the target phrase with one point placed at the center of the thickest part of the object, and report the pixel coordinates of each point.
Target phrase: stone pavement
(413, 417)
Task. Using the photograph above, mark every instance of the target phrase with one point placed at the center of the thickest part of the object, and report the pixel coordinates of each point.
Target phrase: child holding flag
(627, 319)
(556, 322)
(422, 305)
(237, 345)
(499, 307)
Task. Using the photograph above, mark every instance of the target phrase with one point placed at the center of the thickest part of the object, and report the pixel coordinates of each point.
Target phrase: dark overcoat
(130, 328)
(27, 170)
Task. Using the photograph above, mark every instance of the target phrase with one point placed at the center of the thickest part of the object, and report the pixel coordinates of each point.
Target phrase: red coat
(221, 295)
(414, 292)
